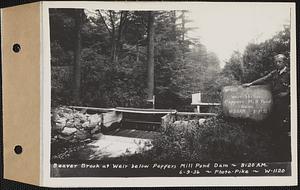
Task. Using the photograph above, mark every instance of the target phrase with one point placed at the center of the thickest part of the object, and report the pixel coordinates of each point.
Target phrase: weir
(139, 118)
(127, 131)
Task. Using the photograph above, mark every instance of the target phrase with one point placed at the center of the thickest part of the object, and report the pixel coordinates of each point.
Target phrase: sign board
(196, 98)
(254, 102)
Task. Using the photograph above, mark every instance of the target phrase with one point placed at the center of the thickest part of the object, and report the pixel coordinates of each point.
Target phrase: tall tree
(234, 66)
(115, 23)
(150, 55)
(78, 17)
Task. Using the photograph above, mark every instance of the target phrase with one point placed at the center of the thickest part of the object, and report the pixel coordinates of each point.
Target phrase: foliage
(219, 139)
(233, 68)
(113, 59)
(258, 59)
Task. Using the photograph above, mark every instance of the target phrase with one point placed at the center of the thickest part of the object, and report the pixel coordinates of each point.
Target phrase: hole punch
(16, 48)
(18, 149)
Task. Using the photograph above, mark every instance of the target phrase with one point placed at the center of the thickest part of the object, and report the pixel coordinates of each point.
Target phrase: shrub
(218, 139)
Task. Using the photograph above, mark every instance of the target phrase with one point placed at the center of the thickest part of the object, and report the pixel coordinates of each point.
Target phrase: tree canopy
(113, 58)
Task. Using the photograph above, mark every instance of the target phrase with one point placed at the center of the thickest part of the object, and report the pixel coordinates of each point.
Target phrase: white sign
(196, 98)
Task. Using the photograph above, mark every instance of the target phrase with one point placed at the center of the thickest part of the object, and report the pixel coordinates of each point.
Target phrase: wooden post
(198, 108)
(152, 101)
(198, 100)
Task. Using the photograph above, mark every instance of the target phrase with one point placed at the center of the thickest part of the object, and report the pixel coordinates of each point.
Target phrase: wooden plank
(92, 108)
(139, 121)
(127, 110)
(206, 104)
(196, 114)
(144, 111)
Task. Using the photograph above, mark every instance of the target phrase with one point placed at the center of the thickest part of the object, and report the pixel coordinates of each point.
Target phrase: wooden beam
(206, 104)
(197, 114)
(144, 111)
(138, 121)
(92, 108)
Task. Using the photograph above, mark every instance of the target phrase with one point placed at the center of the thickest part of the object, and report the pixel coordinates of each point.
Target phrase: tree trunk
(150, 55)
(183, 37)
(113, 49)
(137, 52)
(113, 36)
(77, 55)
(173, 22)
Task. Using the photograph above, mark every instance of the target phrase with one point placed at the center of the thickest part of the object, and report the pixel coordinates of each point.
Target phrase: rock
(73, 140)
(87, 140)
(82, 135)
(97, 128)
(70, 123)
(181, 123)
(201, 121)
(83, 111)
(95, 120)
(85, 124)
(61, 120)
(67, 116)
(97, 136)
(77, 123)
(177, 122)
(68, 131)
(112, 117)
(60, 123)
(247, 103)
(65, 138)
(80, 116)
(167, 120)
(184, 125)
(58, 126)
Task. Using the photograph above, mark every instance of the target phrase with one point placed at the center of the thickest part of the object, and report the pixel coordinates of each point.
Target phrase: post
(198, 108)
(196, 100)
(152, 101)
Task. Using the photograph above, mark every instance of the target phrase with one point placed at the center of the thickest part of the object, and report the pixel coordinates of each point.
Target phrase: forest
(110, 58)
(101, 58)
(114, 56)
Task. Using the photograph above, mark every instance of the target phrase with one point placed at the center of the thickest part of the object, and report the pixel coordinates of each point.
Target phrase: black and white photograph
(199, 91)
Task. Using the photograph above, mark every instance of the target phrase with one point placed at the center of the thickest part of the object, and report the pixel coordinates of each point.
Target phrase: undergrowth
(218, 139)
